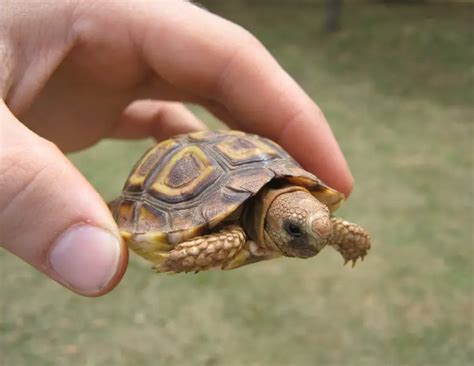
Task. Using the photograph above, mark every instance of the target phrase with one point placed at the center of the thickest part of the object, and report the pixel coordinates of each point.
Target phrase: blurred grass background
(396, 84)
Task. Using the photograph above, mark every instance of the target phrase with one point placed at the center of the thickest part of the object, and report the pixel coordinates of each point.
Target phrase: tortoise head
(298, 224)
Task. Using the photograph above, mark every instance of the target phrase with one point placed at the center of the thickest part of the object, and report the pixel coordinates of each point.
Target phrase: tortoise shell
(185, 186)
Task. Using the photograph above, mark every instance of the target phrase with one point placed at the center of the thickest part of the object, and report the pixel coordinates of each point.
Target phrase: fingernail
(86, 258)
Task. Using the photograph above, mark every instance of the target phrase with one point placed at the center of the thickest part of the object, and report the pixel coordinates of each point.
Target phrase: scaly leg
(250, 253)
(351, 240)
(204, 252)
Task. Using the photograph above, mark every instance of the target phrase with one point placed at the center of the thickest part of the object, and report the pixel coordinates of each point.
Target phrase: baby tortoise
(225, 199)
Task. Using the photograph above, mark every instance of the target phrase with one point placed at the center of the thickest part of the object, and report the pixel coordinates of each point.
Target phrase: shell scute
(125, 215)
(150, 218)
(239, 150)
(187, 173)
(250, 180)
(220, 204)
(136, 180)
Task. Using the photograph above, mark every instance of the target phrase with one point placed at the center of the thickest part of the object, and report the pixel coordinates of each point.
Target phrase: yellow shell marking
(151, 158)
(161, 183)
(230, 148)
(200, 135)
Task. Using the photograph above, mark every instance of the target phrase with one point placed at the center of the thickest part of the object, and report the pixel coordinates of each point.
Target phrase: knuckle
(240, 60)
(244, 36)
(246, 45)
(252, 42)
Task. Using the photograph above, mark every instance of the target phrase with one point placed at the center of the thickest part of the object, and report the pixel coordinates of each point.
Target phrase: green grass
(396, 85)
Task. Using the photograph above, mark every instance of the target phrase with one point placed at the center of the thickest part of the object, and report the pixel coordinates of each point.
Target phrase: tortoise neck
(256, 210)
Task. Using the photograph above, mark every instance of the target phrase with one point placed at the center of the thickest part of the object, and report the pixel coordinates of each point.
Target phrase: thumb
(51, 217)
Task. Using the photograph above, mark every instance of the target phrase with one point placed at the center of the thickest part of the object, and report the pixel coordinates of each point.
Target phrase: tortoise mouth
(299, 250)
(306, 252)
(298, 247)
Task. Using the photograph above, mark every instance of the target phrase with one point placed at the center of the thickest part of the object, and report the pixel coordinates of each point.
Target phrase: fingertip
(308, 138)
(345, 184)
(88, 259)
(340, 178)
(122, 266)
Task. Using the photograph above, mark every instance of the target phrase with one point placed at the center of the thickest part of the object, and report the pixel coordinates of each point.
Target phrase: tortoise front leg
(250, 253)
(204, 252)
(349, 239)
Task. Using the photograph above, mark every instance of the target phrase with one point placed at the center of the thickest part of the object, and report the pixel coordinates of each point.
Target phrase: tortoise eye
(293, 229)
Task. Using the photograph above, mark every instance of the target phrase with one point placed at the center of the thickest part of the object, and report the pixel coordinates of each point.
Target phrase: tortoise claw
(353, 262)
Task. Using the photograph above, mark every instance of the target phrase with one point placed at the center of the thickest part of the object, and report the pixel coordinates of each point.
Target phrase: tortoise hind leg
(351, 240)
(204, 252)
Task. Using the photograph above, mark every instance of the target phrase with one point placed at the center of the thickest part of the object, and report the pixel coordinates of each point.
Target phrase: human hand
(73, 73)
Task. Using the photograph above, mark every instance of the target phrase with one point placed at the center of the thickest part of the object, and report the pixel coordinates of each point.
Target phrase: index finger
(220, 62)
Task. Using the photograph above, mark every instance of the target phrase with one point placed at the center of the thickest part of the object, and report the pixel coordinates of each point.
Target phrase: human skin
(75, 72)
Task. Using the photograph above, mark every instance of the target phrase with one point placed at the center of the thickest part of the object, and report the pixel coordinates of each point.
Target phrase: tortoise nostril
(322, 226)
